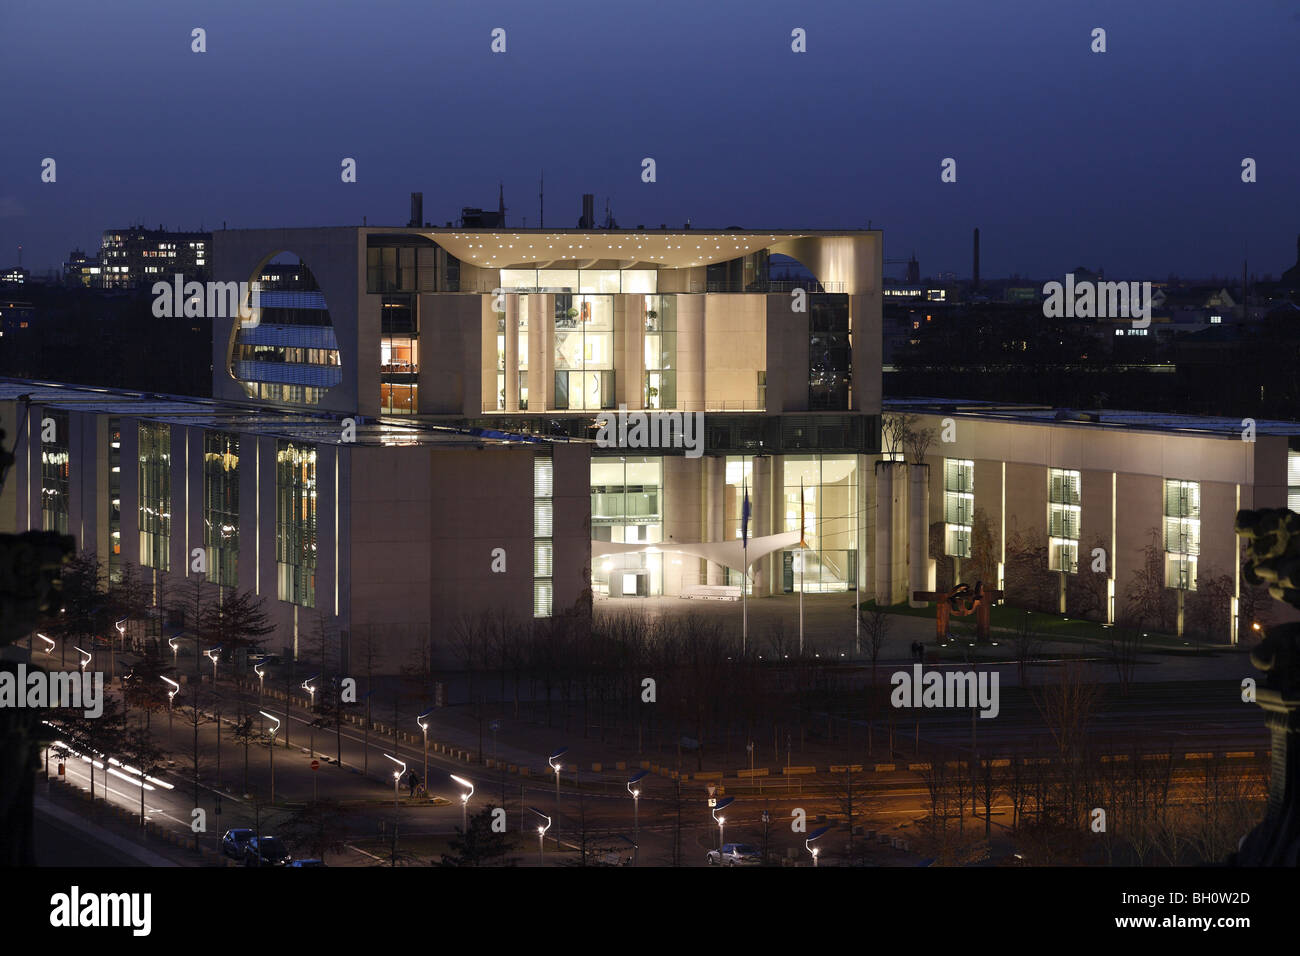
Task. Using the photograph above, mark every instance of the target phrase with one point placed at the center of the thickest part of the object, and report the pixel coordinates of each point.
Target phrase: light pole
(272, 749)
(553, 760)
(112, 651)
(261, 680)
(541, 835)
(171, 694)
(815, 851)
(171, 641)
(721, 821)
(636, 811)
(213, 654)
(87, 660)
(397, 776)
(49, 650)
(423, 721)
(464, 803)
(310, 688)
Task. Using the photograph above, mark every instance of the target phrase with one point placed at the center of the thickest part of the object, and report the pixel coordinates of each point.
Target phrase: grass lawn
(1049, 627)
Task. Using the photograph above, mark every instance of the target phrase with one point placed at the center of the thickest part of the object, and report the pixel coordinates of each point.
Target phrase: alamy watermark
(82, 691)
(653, 430)
(208, 300)
(954, 689)
(1098, 300)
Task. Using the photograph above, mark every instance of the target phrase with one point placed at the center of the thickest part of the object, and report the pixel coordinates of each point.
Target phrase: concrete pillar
(690, 352)
(512, 352)
(541, 355)
(715, 503)
(921, 570)
(760, 510)
(891, 533)
(631, 376)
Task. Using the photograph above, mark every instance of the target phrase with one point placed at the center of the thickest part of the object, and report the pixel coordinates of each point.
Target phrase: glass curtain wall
(295, 523)
(221, 507)
(830, 522)
(661, 351)
(54, 472)
(584, 351)
(627, 508)
(155, 495)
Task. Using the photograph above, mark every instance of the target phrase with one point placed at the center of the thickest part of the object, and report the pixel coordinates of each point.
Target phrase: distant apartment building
(82, 271)
(134, 257)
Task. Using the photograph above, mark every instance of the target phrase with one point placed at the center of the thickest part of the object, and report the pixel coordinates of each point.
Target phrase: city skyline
(718, 100)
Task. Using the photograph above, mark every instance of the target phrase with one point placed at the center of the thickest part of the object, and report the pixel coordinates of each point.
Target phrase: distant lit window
(958, 505)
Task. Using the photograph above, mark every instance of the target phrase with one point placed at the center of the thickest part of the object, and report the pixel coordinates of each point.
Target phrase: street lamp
(171, 641)
(553, 760)
(272, 748)
(261, 680)
(310, 688)
(464, 803)
(171, 694)
(89, 657)
(721, 821)
(213, 654)
(112, 651)
(636, 811)
(50, 649)
(423, 721)
(815, 851)
(397, 776)
(541, 835)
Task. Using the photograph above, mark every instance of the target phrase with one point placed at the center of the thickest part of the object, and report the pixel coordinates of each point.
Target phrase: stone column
(512, 352)
(760, 520)
(631, 372)
(715, 503)
(891, 532)
(920, 575)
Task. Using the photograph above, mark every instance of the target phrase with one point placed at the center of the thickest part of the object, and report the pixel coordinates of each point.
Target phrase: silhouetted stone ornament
(29, 577)
(1273, 559)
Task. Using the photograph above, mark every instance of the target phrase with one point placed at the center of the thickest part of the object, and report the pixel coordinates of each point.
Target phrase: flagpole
(744, 578)
(802, 561)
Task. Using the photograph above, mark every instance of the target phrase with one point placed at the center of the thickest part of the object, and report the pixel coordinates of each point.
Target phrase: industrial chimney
(588, 220)
(417, 210)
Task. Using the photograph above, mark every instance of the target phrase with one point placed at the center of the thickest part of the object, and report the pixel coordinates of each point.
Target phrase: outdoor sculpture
(1273, 559)
(962, 601)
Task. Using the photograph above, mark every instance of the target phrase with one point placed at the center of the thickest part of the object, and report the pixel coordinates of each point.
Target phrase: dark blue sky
(1129, 160)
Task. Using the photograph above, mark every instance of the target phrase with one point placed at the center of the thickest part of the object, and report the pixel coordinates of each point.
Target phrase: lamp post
(541, 835)
(89, 656)
(213, 654)
(553, 760)
(397, 777)
(112, 651)
(49, 650)
(171, 642)
(310, 688)
(721, 821)
(464, 803)
(171, 694)
(815, 835)
(272, 749)
(636, 811)
(261, 680)
(423, 721)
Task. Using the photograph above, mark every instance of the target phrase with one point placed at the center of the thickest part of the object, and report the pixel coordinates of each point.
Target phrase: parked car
(234, 842)
(266, 851)
(735, 854)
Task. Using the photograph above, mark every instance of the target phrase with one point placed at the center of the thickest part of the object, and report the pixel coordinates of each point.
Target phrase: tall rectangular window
(1182, 533)
(54, 472)
(295, 523)
(830, 352)
(543, 520)
(155, 495)
(584, 351)
(1063, 520)
(115, 500)
(958, 505)
(221, 507)
(1293, 481)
